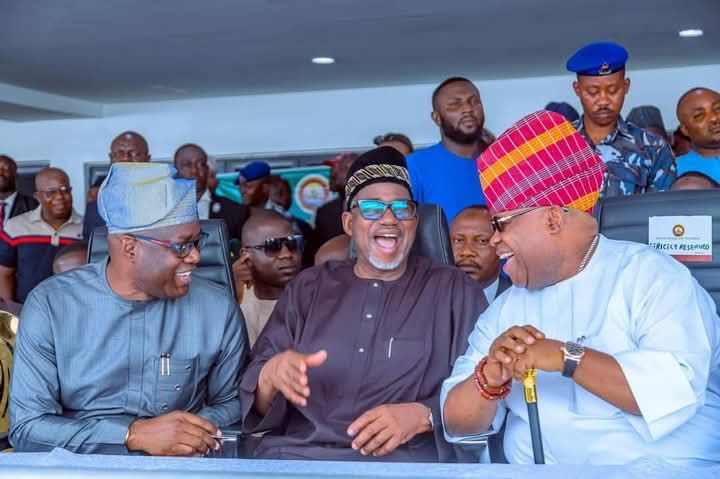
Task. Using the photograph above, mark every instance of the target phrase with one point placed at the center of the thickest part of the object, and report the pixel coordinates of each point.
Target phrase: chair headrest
(627, 218)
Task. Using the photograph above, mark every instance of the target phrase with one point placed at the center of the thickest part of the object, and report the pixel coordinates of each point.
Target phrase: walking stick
(529, 383)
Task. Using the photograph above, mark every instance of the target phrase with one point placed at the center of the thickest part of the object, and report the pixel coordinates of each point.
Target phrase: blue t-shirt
(439, 176)
(694, 162)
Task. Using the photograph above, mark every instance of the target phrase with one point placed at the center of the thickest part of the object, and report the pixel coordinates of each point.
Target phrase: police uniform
(637, 161)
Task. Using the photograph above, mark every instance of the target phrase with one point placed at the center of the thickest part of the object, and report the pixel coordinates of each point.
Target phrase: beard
(386, 266)
(7, 185)
(459, 136)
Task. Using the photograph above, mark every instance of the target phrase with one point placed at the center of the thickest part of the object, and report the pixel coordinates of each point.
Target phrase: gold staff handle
(529, 385)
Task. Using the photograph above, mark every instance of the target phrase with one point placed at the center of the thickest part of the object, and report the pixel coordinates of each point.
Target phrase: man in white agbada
(624, 339)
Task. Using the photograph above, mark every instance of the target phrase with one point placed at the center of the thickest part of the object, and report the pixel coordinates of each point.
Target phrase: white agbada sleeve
(482, 336)
(668, 370)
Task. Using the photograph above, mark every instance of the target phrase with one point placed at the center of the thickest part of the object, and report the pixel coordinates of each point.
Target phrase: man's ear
(555, 219)
(347, 223)
(627, 85)
(576, 88)
(684, 130)
(436, 118)
(128, 247)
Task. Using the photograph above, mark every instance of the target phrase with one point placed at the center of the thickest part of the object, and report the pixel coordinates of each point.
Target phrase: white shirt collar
(491, 291)
(271, 205)
(203, 205)
(9, 202)
(206, 196)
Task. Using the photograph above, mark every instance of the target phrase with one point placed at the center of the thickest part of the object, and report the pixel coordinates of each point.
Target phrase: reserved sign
(685, 238)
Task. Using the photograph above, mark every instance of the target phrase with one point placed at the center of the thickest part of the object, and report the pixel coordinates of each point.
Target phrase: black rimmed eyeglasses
(498, 223)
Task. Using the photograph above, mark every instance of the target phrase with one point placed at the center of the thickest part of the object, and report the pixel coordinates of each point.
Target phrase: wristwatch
(430, 419)
(572, 354)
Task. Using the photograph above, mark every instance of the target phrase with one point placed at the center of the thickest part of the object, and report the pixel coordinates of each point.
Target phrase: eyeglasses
(182, 250)
(499, 223)
(63, 190)
(273, 246)
(403, 210)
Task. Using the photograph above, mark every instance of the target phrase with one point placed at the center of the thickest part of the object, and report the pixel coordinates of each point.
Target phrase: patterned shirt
(636, 161)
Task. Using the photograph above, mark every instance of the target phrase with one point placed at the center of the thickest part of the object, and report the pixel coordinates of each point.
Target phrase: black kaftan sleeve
(467, 303)
(279, 335)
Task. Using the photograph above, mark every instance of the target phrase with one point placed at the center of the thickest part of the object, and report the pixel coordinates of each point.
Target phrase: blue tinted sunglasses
(375, 209)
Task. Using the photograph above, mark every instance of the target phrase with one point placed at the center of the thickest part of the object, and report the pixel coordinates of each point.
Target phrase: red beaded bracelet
(491, 393)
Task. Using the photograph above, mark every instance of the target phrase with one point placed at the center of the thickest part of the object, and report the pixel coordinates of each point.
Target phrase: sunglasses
(182, 250)
(403, 210)
(499, 223)
(273, 246)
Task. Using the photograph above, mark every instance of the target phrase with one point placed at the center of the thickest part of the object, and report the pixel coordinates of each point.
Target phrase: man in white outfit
(624, 339)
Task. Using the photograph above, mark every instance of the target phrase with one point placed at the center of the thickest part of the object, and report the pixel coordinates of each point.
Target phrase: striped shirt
(29, 245)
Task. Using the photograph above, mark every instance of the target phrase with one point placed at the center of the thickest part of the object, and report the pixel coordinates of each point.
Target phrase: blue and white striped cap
(142, 196)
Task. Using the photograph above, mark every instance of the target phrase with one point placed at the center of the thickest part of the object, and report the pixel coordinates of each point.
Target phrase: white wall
(310, 120)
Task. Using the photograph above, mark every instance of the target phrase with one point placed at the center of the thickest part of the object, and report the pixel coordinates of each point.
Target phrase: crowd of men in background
(43, 236)
(637, 151)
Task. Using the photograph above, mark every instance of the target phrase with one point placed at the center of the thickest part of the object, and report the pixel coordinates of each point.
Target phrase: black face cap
(380, 165)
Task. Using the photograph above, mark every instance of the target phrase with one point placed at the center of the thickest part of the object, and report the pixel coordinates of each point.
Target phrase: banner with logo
(685, 238)
(309, 186)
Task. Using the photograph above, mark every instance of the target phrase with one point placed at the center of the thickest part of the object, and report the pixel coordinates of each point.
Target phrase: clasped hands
(518, 349)
(377, 432)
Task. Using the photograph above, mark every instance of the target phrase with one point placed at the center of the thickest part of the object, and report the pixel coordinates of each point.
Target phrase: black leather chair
(433, 235)
(432, 239)
(214, 264)
(626, 218)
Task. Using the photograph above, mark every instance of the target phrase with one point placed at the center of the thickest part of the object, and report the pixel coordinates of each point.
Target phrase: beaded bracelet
(491, 393)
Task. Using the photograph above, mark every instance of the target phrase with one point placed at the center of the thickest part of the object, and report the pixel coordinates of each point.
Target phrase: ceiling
(139, 50)
(22, 113)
